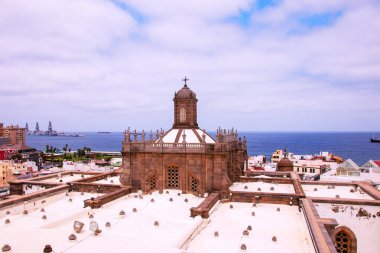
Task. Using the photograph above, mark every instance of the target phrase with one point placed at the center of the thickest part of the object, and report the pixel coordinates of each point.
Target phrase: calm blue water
(347, 145)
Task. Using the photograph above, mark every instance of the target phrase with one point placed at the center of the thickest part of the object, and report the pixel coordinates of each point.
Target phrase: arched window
(345, 240)
(182, 114)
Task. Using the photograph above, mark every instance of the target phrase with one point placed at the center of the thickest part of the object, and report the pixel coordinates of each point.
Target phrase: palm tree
(65, 148)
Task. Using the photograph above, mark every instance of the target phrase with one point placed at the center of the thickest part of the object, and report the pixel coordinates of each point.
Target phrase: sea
(353, 145)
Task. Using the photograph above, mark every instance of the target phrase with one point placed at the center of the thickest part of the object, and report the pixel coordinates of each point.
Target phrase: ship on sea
(373, 139)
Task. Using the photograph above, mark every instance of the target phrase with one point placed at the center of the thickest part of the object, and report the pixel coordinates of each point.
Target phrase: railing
(174, 147)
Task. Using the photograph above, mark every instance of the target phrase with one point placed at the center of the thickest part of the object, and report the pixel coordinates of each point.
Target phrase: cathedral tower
(185, 108)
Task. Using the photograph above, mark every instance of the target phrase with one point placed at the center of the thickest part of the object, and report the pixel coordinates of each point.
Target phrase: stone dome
(185, 92)
(285, 165)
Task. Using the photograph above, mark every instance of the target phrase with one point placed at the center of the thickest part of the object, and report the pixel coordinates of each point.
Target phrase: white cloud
(95, 65)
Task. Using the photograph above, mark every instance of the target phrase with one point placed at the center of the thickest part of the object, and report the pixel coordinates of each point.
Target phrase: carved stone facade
(184, 157)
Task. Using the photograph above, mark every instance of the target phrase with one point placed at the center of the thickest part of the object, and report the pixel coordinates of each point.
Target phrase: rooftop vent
(95, 228)
(78, 226)
(72, 237)
(6, 248)
(48, 248)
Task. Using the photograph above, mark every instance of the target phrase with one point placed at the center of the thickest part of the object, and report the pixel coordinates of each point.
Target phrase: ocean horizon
(353, 145)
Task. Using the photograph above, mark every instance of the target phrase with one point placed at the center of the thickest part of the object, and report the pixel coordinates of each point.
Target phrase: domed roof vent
(285, 164)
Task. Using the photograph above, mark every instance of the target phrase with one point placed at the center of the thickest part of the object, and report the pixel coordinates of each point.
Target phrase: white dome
(192, 136)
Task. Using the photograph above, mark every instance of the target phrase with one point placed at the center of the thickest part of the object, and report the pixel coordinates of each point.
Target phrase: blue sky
(296, 65)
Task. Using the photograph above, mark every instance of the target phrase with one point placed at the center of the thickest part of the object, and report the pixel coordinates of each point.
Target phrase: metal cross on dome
(185, 80)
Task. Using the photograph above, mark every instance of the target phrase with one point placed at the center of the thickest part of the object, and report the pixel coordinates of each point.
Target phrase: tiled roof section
(185, 92)
(377, 162)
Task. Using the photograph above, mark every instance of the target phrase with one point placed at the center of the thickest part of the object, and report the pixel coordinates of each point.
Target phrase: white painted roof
(288, 225)
(326, 191)
(264, 187)
(191, 137)
(133, 233)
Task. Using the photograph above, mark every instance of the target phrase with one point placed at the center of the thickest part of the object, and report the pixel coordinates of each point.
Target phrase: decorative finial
(185, 80)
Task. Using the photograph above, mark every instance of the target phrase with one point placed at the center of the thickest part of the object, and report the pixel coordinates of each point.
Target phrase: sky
(106, 65)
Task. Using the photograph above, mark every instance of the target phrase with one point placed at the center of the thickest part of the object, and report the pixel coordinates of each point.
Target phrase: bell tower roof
(185, 92)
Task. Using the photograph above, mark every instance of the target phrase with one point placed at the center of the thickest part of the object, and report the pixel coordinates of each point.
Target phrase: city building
(371, 166)
(277, 156)
(350, 171)
(348, 168)
(184, 157)
(10, 170)
(13, 145)
(310, 164)
(14, 134)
